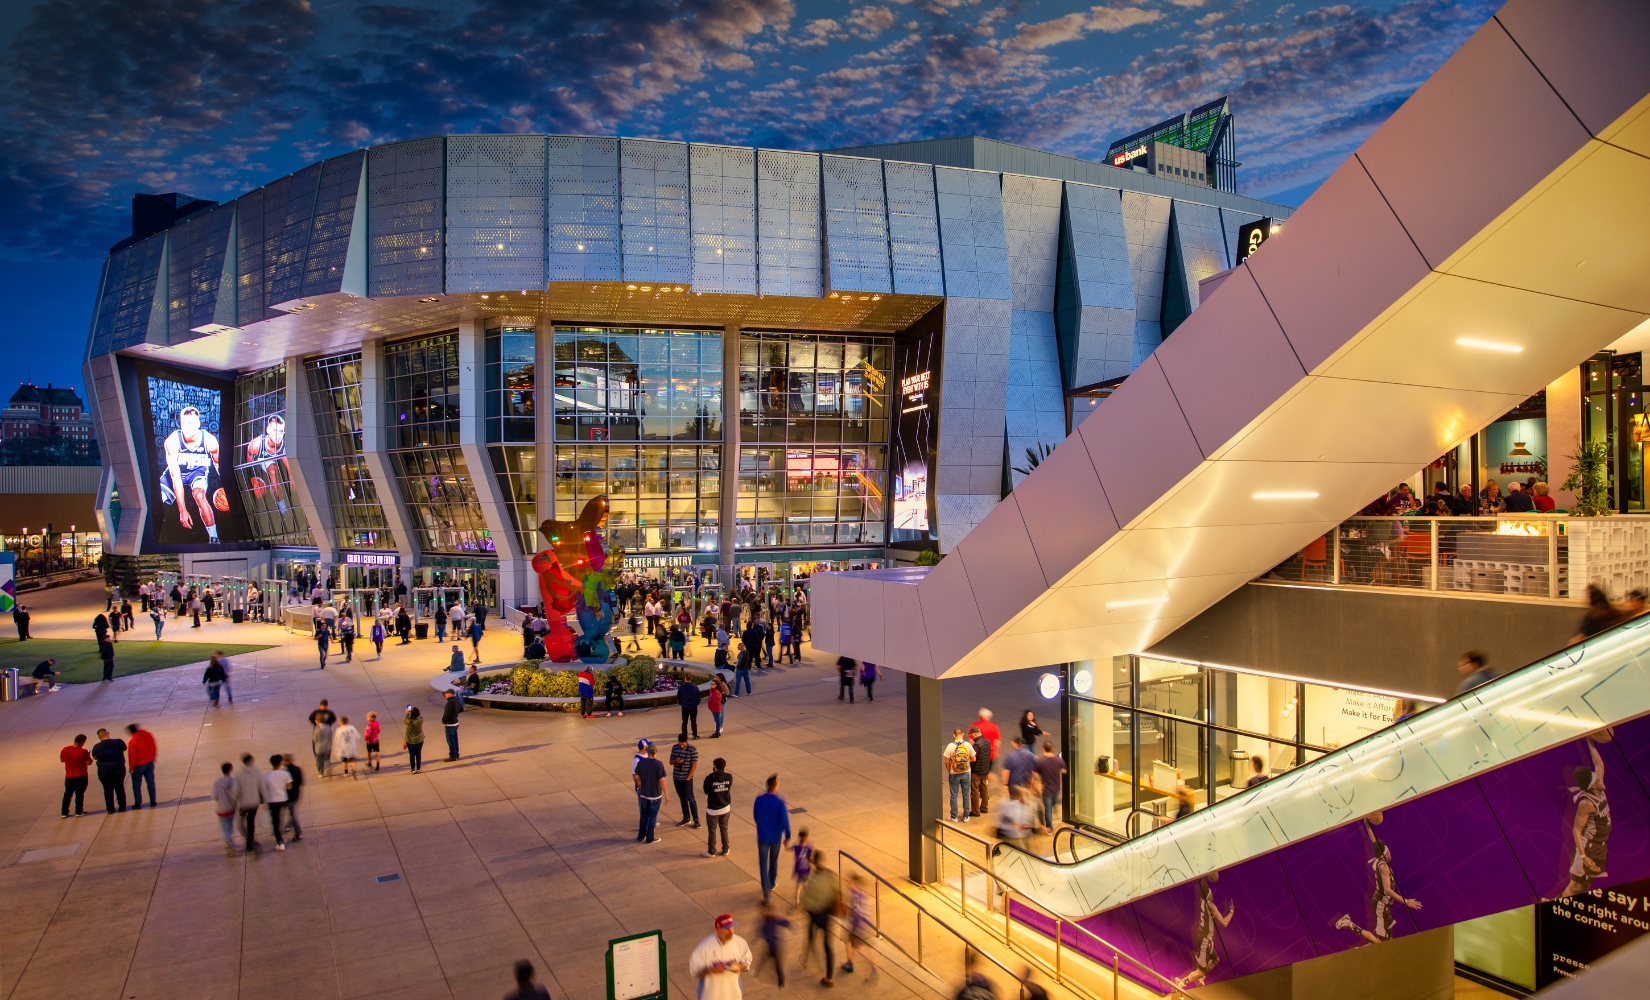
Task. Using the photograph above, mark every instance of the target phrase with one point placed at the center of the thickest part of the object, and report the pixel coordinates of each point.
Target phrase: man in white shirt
(276, 782)
(719, 960)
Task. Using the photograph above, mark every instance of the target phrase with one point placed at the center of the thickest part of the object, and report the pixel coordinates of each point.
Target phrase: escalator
(1529, 788)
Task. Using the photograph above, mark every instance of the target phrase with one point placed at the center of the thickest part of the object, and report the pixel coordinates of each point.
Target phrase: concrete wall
(1393, 641)
(1413, 967)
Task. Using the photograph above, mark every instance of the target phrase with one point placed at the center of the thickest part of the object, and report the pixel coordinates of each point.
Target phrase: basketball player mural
(191, 462)
(576, 574)
(1589, 831)
(1385, 892)
(1209, 917)
(267, 453)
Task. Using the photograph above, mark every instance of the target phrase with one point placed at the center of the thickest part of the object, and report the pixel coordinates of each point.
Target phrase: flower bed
(534, 684)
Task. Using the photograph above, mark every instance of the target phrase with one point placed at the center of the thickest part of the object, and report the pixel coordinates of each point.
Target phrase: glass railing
(1542, 556)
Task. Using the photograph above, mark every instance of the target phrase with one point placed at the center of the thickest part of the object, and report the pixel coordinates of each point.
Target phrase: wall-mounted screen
(191, 502)
(914, 400)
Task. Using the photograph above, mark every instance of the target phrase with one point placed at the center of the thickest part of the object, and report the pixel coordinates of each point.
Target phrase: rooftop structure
(1209, 130)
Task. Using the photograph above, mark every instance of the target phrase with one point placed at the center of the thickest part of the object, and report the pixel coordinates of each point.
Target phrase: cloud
(1210, 18)
(1030, 37)
(869, 22)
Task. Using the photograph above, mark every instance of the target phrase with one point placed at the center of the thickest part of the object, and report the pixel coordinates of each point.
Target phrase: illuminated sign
(371, 559)
(1252, 234)
(656, 562)
(1125, 157)
(914, 388)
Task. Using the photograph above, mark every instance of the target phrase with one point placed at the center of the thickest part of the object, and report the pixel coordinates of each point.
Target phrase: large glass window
(510, 384)
(811, 495)
(261, 467)
(638, 385)
(660, 497)
(421, 408)
(335, 396)
(516, 467)
(441, 500)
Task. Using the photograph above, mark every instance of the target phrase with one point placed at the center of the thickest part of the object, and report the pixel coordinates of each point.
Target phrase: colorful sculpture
(576, 574)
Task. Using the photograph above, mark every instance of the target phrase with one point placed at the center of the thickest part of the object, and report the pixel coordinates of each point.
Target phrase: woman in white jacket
(348, 741)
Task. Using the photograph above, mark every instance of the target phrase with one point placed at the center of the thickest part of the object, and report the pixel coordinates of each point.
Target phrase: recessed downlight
(1286, 495)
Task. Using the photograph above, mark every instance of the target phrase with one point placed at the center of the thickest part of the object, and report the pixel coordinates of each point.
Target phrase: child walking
(861, 923)
(802, 867)
(771, 924)
(348, 739)
(372, 735)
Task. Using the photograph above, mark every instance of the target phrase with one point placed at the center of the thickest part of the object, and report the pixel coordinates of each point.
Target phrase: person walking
(110, 755)
(773, 828)
(412, 739)
(526, 989)
(157, 616)
(1474, 669)
(980, 773)
(194, 607)
(440, 623)
(1030, 732)
(276, 781)
(718, 960)
(378, 638)
(684, 760)
(821, 899)
(346, 637)
(449, 723)
(140, 749)
(208, 602)
(106, 653)
(75, 759)
(716, 704)
(223, 804)
(959, 759)
(772, 925)
(213, 678)
(1051, 778)
(785, 640)
(294, 791)
(678, 642)
(249, 795)
(348, 740)
(1015, 819)
(869, 674)
(742, 668)
(322, 714)
(687, 696)
(847, 672)
(372, 734)
(718, 806)
(802, 862)
(320, 743)
(649, 777)
(476, 631)
(1018, 766)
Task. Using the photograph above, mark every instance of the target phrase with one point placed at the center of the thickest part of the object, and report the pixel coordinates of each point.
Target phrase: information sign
(636, 967)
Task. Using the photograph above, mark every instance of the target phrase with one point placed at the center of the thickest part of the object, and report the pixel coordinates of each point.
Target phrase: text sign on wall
(371, 558)
(1571, 934)
(1251, 235)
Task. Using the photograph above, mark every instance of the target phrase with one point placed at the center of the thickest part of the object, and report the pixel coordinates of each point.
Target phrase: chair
(1315, 556)
(1415, 546)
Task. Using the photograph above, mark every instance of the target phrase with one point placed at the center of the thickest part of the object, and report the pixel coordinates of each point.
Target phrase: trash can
(8, 684)
(237, 616)
(421, 630)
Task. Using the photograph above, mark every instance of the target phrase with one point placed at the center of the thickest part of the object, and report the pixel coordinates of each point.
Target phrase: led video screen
(191, 502)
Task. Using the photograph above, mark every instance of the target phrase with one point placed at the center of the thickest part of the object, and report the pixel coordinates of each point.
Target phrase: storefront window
(335, 397)
(807, 389)
(517, 470)
(819, 495)
(638, 385)
(660, 497)
(261, 467)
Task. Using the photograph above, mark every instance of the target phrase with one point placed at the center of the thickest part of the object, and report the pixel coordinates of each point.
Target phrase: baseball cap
(641, 744)
(725, 920)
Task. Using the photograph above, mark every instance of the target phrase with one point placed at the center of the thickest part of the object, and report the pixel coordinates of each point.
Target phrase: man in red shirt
(989, 730)
(140, 752)
(75, 758)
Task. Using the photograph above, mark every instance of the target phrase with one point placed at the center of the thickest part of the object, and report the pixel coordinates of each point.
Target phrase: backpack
(959, 763)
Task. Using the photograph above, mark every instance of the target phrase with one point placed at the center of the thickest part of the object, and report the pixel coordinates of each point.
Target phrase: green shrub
(521, 677)
(640, 674)
(542, 684)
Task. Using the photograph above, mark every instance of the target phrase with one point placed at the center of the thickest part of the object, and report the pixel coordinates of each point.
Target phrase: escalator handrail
(1087, 833)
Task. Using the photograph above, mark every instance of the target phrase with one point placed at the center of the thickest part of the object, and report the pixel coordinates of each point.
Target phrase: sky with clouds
(213, 97)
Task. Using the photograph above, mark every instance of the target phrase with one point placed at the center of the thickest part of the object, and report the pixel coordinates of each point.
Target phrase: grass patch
(77, 658)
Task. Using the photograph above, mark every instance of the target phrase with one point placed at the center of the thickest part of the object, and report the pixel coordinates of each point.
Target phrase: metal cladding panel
(1102, 304)
(404, 218)
(249, 258)
(653, 211)
(195, 267)
(289, 213)
(973, 243)
(116, 446)
(334, 213)
(856, 225)
(788, 248)
(584, 209)
(495, 212)
(1202, 244)
(1146, 225)
(1031, 223)
(913, 228)
(129, 294)
(1035, 407)
(973, 399)
(723, 218)
(1230, 221)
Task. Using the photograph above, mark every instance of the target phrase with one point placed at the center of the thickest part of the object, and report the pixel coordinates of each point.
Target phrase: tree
(1589, 477)
(928, 557)
(1034, 458)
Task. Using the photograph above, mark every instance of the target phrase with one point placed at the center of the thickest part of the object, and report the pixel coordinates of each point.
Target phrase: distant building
(1198, 147)
(156, 213)
(46, 426)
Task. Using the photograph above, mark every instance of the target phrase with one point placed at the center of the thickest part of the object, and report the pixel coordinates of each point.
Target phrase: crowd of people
(1530, 496)
(114, 761)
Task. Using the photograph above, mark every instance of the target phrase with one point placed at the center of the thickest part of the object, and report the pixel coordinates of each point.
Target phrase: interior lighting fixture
(631, 287)
(1287, 495)
(1137, 602)
(1048, 686)
(429, 298)
(212, 328)
(1489, 345)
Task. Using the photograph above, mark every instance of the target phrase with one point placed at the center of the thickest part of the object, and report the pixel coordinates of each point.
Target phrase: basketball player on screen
(1590, 829)
(191, 458)
(268, 452)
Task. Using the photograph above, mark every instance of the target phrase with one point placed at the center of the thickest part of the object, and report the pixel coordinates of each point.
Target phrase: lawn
(78, 662)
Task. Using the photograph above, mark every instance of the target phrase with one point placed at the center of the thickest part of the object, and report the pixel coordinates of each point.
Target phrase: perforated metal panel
(1098, 331)
(289, 211)
(788, 224)
(584, 209)
(495, 212)
(329, 232)
(1202, 244)
(653, 211)
(249, 258)
(1146, 226)
(856, 225)
(404, 218)
(973, 244)
(723, 218)
(913, 228)
(1031, 223)
(129, 294)
(1034, 409)
(195, 267)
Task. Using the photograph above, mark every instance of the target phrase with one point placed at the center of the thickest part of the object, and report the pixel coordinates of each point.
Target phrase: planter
(701, 673)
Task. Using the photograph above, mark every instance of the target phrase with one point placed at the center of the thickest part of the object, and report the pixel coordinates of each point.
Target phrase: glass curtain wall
(813, 454)
(261, 467)
(510, 436)
(638, 416)
(335, 397)
(421, 417)
(1151, 739)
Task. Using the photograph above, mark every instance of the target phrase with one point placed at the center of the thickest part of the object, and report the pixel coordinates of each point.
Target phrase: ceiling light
(1489, 345)
(429, 298)
(1137, 602)
(1287, 495)
(212, 328)
(631, 287)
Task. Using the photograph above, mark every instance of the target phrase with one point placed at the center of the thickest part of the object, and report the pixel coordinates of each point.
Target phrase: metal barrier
(1105, 838)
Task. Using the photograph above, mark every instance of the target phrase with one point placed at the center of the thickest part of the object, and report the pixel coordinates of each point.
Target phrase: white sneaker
(280, 847)
(56, 687)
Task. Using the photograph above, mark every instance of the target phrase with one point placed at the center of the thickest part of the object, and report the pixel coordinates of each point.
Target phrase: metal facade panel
(973, 243)
(1202, 244)
(1035, 409)
(723, 218)
(289, 212)
(117, 447)
(973, 396)
(1230, 221)
(1146, 225)
(405, 192)
(495, 212)
(788, 215)
(1098, 328)
(856, 225)
(129, 294)
(195, 266)
(329, 233)
(653, 211)
(913, 228)
(249, 258)
(584, 209)
(1031, 223)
